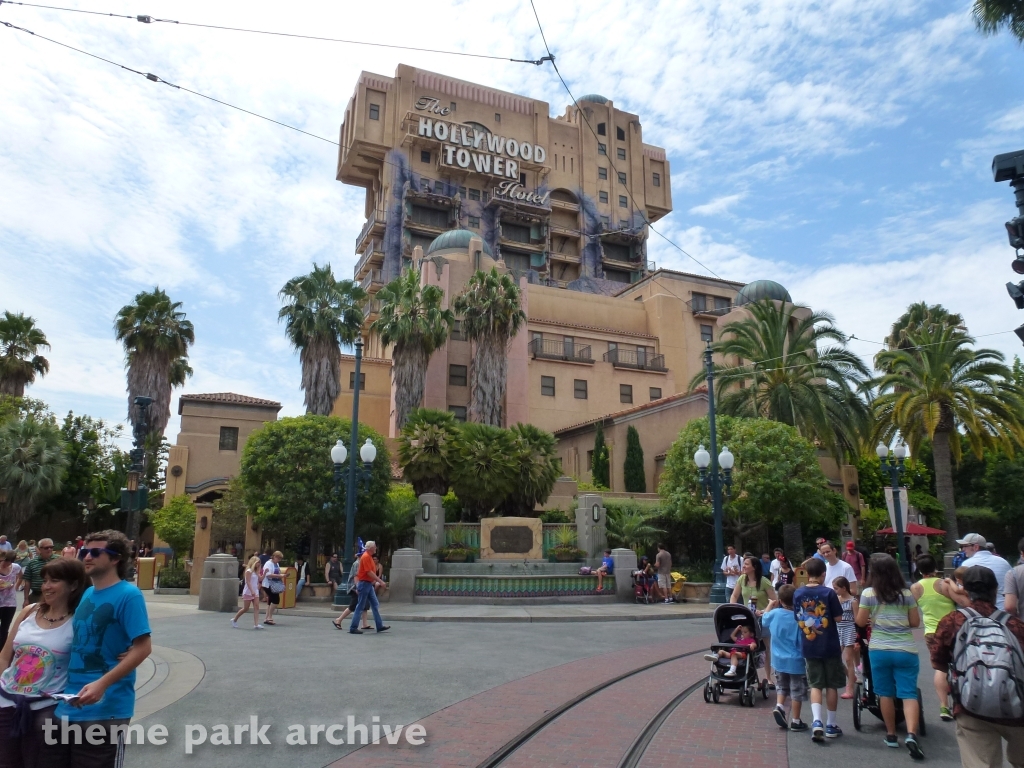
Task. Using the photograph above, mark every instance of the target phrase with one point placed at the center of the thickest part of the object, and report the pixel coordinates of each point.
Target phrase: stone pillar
(406, 565)
(219, 590)
(201, 545)
(591, 527)
(625, 564)
(430, 530)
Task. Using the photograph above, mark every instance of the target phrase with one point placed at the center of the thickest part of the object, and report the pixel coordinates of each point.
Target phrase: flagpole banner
(904, 507)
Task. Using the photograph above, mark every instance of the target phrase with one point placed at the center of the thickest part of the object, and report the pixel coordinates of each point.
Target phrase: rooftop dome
(597, 98)
(762, 289)
(456, 238)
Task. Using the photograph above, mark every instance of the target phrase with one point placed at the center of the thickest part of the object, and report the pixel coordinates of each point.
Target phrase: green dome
(762, 289)
(456, 238)
(597, 98)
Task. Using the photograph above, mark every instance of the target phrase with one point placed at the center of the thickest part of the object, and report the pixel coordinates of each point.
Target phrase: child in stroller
(735, 657)
(742, 636)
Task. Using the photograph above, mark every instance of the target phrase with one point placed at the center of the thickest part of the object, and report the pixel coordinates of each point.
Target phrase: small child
(848, 632)
(607, 568)
(817, 610)
(742, 635)
(788, 661)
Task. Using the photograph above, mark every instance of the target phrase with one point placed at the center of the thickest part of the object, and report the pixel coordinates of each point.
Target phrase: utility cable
(145, 19)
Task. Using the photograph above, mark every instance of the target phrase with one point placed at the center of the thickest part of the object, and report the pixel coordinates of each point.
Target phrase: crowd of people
(815, 633)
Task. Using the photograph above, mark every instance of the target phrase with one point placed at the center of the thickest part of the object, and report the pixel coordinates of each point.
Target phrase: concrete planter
(169, 591)
(698, 592)
(321, 590)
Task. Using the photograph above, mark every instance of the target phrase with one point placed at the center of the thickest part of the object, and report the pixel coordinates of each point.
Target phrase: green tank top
(761, 590)
(933, 605)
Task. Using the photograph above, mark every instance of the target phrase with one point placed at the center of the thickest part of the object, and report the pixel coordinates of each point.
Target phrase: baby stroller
(727, 618)
(642, 587)
(864, 697)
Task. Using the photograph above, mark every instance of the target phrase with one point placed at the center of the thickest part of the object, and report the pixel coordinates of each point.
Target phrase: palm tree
(32, 464)
(485, 473)
(413, 320)
(941, 387)
(630, 526)
(492, 315)
(791, 379)
(320, 314)
(990, 15)
(156, 337)
(920, 315)
(20, 340)
(538, 467)
(428, 449)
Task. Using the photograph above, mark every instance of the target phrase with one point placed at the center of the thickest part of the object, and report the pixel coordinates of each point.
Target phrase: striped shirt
(890, 622)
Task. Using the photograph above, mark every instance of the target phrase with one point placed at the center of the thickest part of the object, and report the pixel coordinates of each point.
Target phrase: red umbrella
(913, 529)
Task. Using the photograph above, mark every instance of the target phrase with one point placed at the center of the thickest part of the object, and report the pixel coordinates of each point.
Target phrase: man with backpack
(981, 646)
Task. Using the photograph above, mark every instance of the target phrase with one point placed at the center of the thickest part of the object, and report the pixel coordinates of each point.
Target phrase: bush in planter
(173, 578)
(565, 548)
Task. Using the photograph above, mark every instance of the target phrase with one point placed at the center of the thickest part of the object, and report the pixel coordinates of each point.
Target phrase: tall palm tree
(20, 341)
(536, 459)
(156, 337)
(943, 386)
(320, 314)
(413, 320)
(920, 315)
(428, 448)
(32, 463)
(492, 315)
(990, 15)
(791, 379)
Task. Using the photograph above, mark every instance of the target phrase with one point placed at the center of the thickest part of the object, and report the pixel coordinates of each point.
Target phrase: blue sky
(841, 148)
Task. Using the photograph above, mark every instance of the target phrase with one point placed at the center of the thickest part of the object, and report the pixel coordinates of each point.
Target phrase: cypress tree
(599, 467)
(633, 470)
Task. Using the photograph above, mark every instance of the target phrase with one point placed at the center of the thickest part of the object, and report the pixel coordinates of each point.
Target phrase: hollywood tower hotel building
(460, 176)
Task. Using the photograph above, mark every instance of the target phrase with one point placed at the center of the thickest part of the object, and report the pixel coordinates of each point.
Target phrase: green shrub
(173, 578)
(633, 468)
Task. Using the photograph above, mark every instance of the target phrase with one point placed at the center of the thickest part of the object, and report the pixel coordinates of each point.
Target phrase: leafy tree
(920, 316)
(288, 478)
(599, 468)
(175, 523)
(427, 449)
(800, 373)
(492, 314)
(90, 449)
(32, 464)
(229, 515)
(396, 526)
(633, 469)
(538, 468)
(413, 321)
(630, 526)
(991, 15)
(943, 386)
(1004, 482)
(20, 363)
(156, 337)
(13, 408)
(485, 473)
(320, 315)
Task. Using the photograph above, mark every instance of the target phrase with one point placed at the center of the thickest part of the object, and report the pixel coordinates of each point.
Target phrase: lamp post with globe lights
(893, 465)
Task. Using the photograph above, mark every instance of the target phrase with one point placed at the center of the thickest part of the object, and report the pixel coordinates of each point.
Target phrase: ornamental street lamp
(714, 481)
(894, 467)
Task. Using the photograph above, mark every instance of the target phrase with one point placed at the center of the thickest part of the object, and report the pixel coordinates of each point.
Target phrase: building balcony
(708, 308)
(552, 349)
(372, 257)
(630, 358)
(373, 226)
(373, 281)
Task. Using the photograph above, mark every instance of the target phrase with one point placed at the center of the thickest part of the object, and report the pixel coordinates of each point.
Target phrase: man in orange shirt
(366, 580)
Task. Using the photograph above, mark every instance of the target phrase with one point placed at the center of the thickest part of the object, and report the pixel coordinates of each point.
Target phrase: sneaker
(385, 628)
(258, 626)
(817, 731)
(915, 749)
(798, 725)
(833, 731)
(891, 741)
(355, 631)
(780, 716)
(710, 657)
(668, 599)
(945, 714)
(731, 673)
(234, 624)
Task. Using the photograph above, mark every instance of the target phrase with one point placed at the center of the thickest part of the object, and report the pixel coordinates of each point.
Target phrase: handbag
(276, 586)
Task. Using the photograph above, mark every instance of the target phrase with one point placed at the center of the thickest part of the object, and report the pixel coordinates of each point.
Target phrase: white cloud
(718, 205)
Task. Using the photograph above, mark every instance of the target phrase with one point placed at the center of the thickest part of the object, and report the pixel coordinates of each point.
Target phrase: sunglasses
(95, 552)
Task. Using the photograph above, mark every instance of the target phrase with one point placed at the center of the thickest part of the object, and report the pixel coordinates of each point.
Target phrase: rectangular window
(474, 194)
(424, 155)
(620, 134)
(622, 178)
(601, 149)
(522, 179)
(474, 222)
(229, 438)
(657, 179)
(535, 336)
(620, 153)
(458, 411)
(613, 347)
(626, 393)
(515, 232)
(457, 375)
(602, 173)
(569, 347)
(431, 217)
(606, 221)
(497, 117)
(706, 333)
(590, 460)
(722, 302)
(699, 302)
(375, 111)
(547, 386)
(462, 191)
(623, 201)
(456, 334)
(655, 393)
(352, 381)
(600, 129)
(602, 197)
(451, 107)
(579, 389)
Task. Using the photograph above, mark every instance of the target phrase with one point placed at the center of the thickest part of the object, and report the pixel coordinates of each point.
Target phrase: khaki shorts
(663, 581)
(826, 673)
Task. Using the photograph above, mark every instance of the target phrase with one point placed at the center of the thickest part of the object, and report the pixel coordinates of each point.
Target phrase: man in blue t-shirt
(606, 569)
(817, 609)
(110, 620)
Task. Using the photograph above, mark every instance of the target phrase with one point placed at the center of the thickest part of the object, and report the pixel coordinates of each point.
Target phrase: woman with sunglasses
(35, 661)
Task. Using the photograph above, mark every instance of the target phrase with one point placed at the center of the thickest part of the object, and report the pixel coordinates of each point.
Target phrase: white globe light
(901, 451)
(882, 450)
(725, 458)
(702, 458)
(339, 453)
(368, 452)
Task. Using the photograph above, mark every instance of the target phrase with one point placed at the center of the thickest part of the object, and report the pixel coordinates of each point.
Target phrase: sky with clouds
(842, 149)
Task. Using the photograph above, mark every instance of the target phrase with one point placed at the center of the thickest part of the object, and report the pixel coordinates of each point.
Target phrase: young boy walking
(788, 661)
(817, 611)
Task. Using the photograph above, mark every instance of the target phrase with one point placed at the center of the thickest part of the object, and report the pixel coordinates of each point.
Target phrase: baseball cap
(849, 545)
(972, 538)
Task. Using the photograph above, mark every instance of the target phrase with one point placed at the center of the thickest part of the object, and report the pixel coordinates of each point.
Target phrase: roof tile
(227, 398)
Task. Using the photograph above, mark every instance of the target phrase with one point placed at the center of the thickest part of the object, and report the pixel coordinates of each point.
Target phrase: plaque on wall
(511, 539)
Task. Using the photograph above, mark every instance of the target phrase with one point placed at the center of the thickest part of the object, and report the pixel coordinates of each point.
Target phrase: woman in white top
(250, 593)
(272, 580)
(35, 664)
(9, 573)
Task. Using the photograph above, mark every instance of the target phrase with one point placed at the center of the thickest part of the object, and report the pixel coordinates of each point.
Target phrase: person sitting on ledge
(606, 569)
